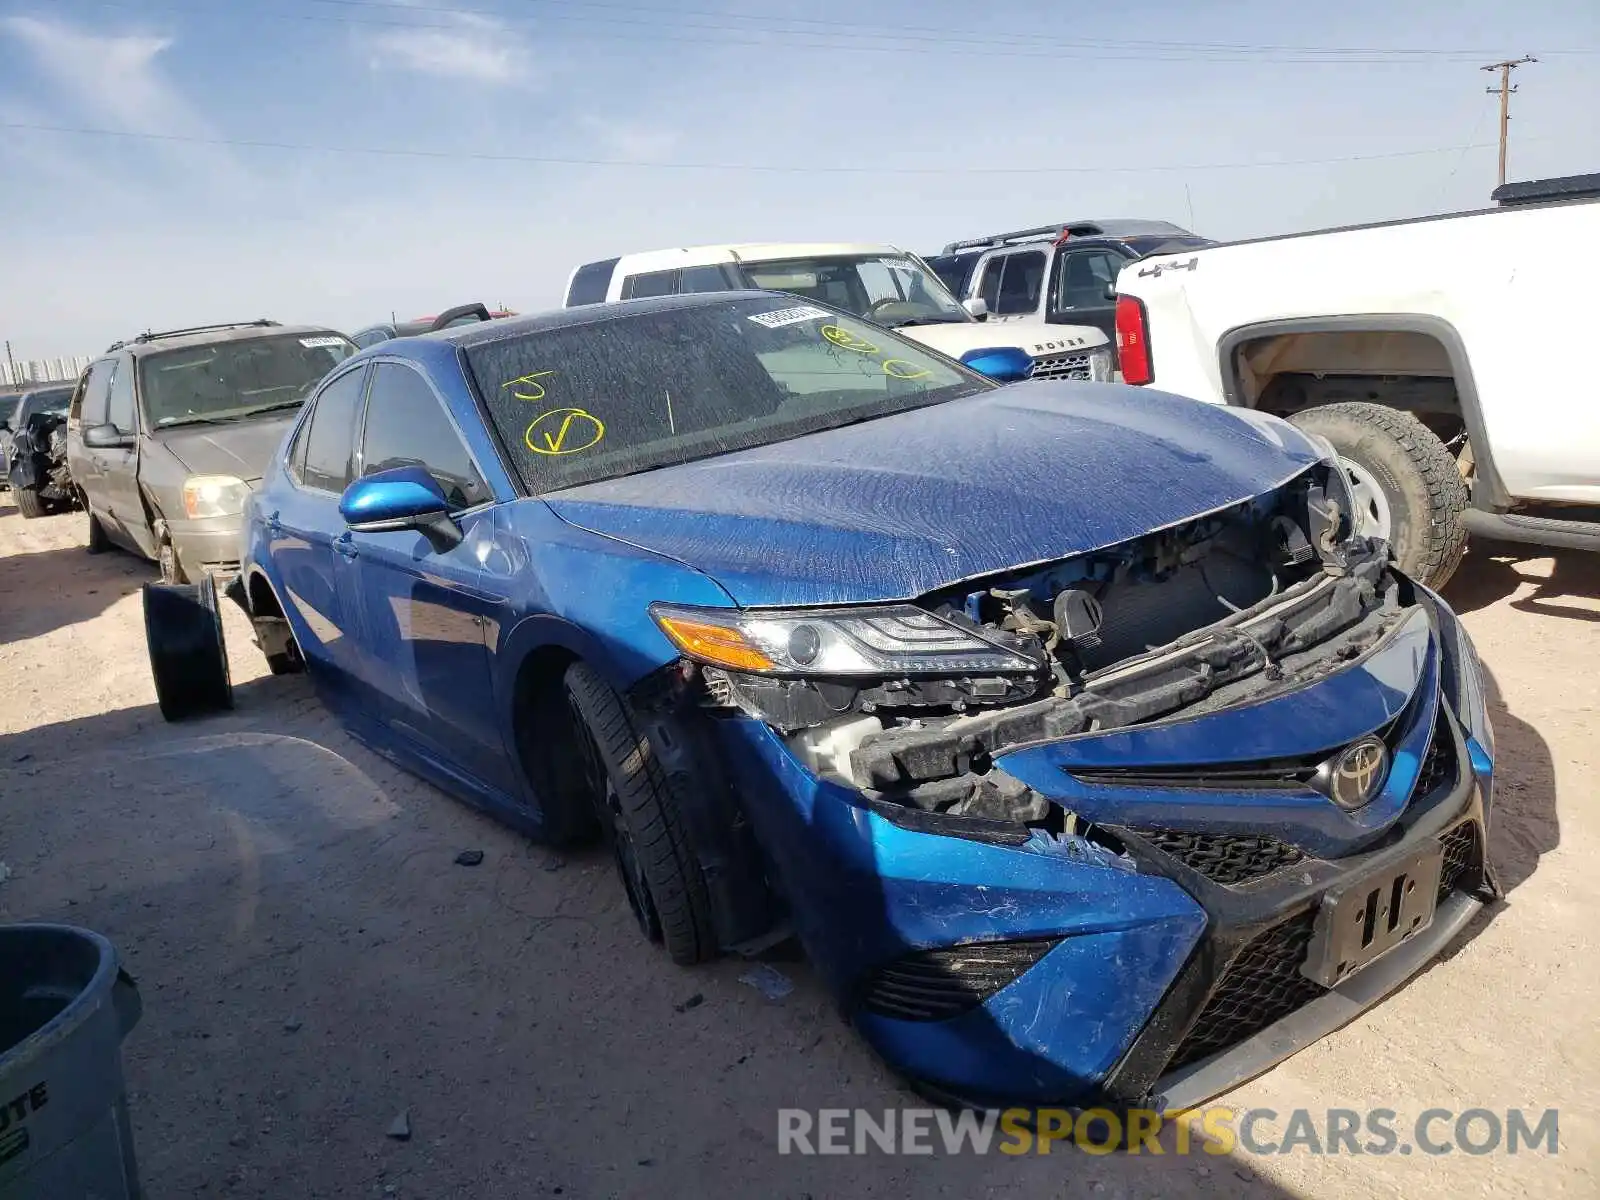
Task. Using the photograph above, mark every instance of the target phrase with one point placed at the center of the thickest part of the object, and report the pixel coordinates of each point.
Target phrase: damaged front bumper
(1159, 946)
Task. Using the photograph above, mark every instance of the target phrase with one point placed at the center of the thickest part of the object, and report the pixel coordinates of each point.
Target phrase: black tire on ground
(641, 821)
(29, 503)
(188, 656)
(98, 542)
(1419, 478)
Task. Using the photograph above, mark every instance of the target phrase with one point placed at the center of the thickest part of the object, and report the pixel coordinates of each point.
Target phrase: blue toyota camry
(1089, 749)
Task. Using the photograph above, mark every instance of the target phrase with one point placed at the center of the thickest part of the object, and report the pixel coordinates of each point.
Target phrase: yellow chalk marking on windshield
(530, 381)
(564, 431)
(846, 340)
(899, 368)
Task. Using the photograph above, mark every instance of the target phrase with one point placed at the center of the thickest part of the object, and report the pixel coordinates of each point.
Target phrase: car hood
(240, 448)
(895, 507)
(955, 338)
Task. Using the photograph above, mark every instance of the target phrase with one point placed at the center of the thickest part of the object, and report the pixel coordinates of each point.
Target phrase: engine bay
(1269, 594)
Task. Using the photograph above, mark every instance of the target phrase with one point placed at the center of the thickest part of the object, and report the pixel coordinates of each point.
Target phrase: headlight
(1463, 676)
(214, 496)
(895, 640)
(1102, 365)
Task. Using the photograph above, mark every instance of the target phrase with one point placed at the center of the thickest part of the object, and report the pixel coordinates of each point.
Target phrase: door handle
(345, 545)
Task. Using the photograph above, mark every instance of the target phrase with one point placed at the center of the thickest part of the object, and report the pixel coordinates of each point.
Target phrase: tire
(29, 503)
(641, 822)
(98, 542)
(171, 568)
(1418, 477)
(188, 653)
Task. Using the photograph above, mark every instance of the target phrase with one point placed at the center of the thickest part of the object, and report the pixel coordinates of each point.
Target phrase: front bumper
(210, 545)
(1155, 987)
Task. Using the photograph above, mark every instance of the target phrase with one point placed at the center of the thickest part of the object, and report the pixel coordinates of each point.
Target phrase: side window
(97, 392)
(989, 286)
(704, 279)
(330, 434)
(370, 338)
(1083, 278)
(590, 283)
(1021, 284)
(120, 410)
(407, 427)
(651, 283)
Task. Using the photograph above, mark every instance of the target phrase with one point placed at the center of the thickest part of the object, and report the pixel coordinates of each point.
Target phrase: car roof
(426, 346)
(705, 256)
(210, 337)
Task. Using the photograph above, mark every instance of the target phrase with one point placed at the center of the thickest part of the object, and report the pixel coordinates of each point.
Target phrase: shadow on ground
(313, 963)
(46, 590)
(1492, 571)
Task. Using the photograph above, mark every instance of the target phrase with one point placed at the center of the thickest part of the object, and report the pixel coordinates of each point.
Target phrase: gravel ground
(313, 962)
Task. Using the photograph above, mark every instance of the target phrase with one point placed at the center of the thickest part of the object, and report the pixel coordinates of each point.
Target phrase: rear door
(304, 526)
(1083, 287)
(425, 610)
(1012, 284)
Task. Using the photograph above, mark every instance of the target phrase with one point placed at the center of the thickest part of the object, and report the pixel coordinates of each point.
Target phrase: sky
(336, 161)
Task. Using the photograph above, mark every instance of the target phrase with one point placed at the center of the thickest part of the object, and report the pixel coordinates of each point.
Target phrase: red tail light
(1133, 341)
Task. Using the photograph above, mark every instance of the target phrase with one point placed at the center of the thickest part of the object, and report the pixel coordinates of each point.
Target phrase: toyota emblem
(1352, 777)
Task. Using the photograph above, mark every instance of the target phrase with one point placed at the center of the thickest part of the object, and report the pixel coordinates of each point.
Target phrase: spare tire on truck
(188, 655)
(1406, 485)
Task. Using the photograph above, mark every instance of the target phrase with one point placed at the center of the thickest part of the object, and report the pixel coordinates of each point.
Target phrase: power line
(762, 168)
(841, 39)
(1505, 89)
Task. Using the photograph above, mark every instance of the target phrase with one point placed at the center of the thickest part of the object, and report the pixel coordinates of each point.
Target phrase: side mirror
(1111, 293)
(106, 437)
(977, 307)
(1007, 364)
(399, 499)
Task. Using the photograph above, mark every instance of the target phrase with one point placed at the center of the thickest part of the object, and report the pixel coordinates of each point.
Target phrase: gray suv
(169, 432)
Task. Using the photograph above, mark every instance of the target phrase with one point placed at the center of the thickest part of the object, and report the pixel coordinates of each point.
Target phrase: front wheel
(29, 503)
(1406, 486)
(98, 542)
(640, 821)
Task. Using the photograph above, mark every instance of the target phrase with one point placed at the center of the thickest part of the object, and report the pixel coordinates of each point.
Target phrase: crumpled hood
(892, 508)
(955, 338)
(241, 448)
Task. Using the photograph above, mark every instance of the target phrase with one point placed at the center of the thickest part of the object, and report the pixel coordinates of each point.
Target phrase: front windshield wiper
(274, 407)
(909, 321)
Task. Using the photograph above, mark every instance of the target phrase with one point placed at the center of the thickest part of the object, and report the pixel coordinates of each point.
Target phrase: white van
(880, 283)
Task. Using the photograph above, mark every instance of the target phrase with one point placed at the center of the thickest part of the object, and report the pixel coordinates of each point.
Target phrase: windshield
(225, 381)
(8, 408)
(890, 289)
(631, 393)
(53, 401)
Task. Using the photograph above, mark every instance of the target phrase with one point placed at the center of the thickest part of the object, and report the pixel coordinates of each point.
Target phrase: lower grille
(1463, 861)
(1439, 763)
(1061, 366)
(935, 985)
(1263, 984)
(1223, 858)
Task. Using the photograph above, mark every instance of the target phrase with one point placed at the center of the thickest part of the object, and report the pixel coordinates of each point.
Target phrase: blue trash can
(65, 1006)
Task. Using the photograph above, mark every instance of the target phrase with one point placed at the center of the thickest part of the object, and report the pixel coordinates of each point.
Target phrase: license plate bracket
(1361, 920)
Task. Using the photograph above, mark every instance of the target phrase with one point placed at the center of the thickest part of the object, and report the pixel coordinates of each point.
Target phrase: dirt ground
(313, 963)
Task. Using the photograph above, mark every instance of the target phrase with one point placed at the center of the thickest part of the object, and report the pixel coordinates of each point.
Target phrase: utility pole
(1505, 89)
(11, 365)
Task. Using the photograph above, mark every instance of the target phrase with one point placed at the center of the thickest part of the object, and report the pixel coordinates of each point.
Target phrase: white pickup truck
(1448, 360)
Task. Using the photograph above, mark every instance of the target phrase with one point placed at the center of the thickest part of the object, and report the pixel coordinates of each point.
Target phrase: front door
(121, 478)
(1083, 289)
(425, 613)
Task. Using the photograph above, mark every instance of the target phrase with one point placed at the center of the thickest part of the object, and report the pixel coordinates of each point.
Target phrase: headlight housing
(896, 639)
(214, 496)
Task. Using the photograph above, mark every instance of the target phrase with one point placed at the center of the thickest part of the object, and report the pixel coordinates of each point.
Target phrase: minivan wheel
(98, 542)
(640, 821)
(171, 568)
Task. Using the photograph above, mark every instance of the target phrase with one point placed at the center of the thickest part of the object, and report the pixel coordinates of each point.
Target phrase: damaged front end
(1086, 827)
(1261, 597)
(39, 459)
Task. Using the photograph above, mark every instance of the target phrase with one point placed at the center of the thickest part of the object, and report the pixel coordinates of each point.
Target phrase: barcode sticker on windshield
(789, 316)
(317, 342)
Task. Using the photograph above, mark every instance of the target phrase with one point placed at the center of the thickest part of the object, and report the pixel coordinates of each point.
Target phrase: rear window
(225, 381)
(631, 393)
